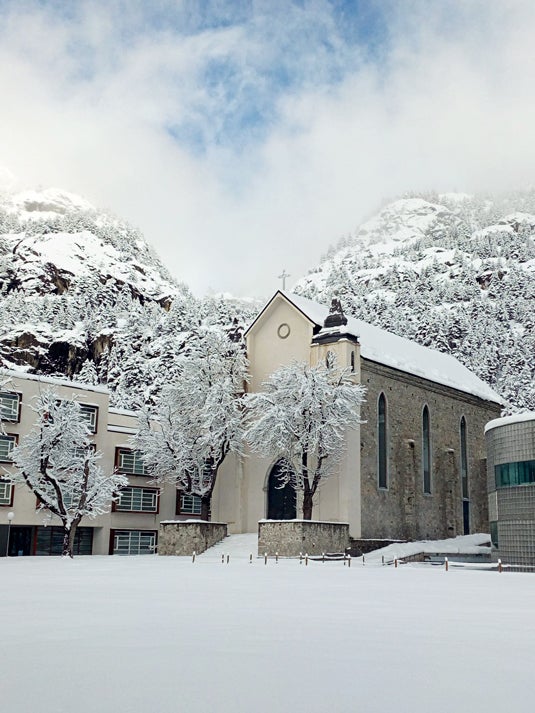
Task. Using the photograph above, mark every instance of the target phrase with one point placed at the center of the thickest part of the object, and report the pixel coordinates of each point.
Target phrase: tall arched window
(464, 479)
(382, 461)
(426, 450)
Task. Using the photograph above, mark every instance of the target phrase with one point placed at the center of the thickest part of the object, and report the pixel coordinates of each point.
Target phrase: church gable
(279, 335)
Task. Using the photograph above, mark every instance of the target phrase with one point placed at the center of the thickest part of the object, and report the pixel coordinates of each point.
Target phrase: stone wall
(184, 538)
(290, 538)
(402, 510)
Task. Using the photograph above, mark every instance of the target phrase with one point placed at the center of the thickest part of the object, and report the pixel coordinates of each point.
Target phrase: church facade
(414, 468)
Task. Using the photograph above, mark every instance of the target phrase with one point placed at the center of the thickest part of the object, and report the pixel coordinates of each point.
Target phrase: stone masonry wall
(184, 538)
(291, 537)
(402, 510)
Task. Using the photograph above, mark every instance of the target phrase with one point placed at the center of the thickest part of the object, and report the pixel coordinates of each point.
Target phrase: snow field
(150, 634)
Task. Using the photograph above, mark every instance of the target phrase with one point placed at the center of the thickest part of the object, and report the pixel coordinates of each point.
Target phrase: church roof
(386, 348)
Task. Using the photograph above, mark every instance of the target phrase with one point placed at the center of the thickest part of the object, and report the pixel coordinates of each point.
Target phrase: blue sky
(229, 131)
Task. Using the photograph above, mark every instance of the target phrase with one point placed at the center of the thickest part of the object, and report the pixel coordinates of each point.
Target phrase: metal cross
(283, 277)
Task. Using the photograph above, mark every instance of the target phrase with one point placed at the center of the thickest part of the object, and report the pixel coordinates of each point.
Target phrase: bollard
(363, 560)
(265, 557)
(300, 558)
(349, 560)
(323, 556)
(383, 560)
(306, 560)
(345, 558)
(396, 562)
(228, 559)
(222, 559)
(251, 558)
(276, 558)
(500, 568)
(446, 565)
(193, 556)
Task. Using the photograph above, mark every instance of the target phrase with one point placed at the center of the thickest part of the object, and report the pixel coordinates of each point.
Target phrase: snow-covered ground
(151, 634)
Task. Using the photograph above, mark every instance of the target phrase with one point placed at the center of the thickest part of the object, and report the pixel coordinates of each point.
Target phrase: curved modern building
(511, 487)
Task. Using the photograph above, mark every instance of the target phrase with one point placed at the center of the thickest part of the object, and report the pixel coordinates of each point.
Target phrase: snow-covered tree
(198, 418)
(57, 462)
(302, 417)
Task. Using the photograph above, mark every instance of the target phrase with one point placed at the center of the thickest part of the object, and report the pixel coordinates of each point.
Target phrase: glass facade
(511, 474)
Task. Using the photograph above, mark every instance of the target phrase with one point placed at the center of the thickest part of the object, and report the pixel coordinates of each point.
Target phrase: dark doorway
(466, 517)
(281, 500)
(20, 541)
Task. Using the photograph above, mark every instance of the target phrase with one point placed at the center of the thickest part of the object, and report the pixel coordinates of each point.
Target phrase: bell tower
(335, 343)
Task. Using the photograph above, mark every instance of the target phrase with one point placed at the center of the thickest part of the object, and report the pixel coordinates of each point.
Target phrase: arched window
(426, 450)
(382, 461)
(464, 479)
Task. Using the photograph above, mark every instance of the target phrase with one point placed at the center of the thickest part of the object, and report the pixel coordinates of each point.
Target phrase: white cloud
(89, 102)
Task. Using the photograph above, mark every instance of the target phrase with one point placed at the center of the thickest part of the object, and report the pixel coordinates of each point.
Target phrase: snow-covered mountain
(84, 296)
(452, 271)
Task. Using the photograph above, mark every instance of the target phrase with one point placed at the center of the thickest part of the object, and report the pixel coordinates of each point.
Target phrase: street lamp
(10, 517)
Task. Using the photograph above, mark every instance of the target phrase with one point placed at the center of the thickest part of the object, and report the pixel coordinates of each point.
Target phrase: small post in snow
(363, 560)
(276, 558)
(396, 562)
(223, 558)
(300, 558)
(383, 560)
(323, 556)
(265, 557)
(251, 558)
(228, 558)
(193, 557)
(306, 560)
(446, 564)
(500, 568)
(348, 560)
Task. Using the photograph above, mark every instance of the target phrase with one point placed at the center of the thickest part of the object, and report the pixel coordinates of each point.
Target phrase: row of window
(426, 466)
(10, 405)
(131, 499)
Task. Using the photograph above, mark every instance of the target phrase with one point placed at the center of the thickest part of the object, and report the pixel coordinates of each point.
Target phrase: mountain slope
(454, 272)
(84, 296)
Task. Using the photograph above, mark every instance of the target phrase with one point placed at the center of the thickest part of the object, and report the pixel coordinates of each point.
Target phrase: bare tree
(302, 416)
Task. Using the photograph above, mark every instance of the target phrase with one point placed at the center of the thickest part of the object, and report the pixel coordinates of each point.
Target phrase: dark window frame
(18, 394)
(118, 469)
(116, 508)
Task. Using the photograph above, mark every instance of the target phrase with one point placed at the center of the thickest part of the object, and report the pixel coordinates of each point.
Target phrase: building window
(512, 474)
(90, 416)
(133, 542)
(426, 451)
(464, 479)
(382, 460)
(49, 541)
(6, 493)
(352, 362)
(130, 462)
(137, 500)
(187, 504)
(7, 443)
(9, 406)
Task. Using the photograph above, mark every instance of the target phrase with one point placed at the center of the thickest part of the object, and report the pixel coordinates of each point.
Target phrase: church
(414, 468)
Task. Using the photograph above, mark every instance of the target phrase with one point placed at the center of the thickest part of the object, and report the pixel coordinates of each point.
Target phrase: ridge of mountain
(454, 272)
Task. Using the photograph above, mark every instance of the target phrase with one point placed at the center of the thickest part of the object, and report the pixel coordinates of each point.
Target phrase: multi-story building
(132, 525)
(511, 487)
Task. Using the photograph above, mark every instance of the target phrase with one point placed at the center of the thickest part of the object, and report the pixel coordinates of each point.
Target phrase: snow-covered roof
(515, 418)
(53, 380)
(386, 348)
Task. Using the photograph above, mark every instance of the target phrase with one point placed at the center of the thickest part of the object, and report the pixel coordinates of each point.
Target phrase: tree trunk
(307, 505)
(68, 541)
(205, 506)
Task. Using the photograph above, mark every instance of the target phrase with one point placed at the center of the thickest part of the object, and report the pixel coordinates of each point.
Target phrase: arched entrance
(281, 500)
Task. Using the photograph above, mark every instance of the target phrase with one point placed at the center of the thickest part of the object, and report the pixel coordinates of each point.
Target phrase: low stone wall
(290, 538)
(361, 546)
(184, 538)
